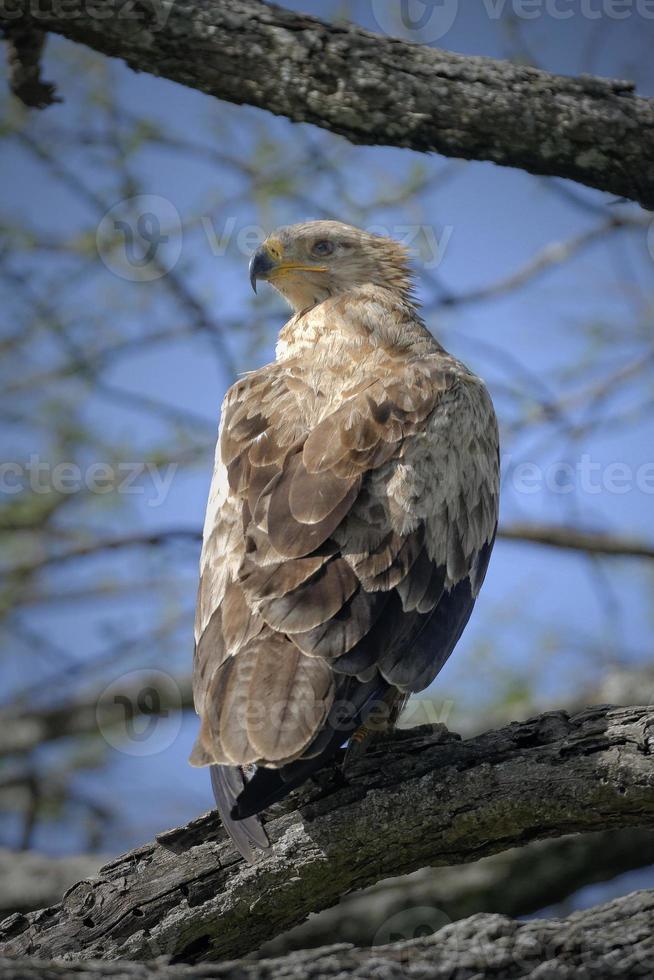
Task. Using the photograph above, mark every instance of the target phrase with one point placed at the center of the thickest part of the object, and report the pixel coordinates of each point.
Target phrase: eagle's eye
(322, 248)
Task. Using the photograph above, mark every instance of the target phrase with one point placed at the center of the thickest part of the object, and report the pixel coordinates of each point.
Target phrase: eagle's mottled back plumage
(349, 525)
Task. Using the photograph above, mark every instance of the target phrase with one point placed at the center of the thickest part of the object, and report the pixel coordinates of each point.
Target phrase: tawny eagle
(349, 525)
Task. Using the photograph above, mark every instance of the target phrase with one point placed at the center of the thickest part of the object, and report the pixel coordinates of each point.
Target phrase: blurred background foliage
(125, 318)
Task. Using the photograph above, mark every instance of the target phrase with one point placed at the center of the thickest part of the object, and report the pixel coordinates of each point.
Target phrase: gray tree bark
(374, 89)
(612, 940)
(420, 797)
(514, 883)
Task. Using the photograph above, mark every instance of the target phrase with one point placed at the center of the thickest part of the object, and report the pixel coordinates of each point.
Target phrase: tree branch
(23, 729)
(419, 797)
(554, 254)
(572, 539)
(24, 50)
(377, 90)
(146, 539)
(609, 941)
(550, 535)
(516, 883)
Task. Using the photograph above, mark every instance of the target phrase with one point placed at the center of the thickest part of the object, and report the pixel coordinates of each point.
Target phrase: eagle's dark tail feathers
(248, 835)
(240, 800)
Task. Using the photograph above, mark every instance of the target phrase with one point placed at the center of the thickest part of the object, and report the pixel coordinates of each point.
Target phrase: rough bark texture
(515, 883)
(613, 940)
(375, 89)
(420, 797)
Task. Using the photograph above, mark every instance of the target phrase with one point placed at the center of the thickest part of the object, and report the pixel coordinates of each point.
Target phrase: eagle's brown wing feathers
(328, 555)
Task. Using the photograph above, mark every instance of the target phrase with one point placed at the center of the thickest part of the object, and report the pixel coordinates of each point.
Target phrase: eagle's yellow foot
(358, 745)
(381, 719)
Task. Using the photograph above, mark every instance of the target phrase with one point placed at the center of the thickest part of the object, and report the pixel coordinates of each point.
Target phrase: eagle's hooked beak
(268, 262)
(265, 260)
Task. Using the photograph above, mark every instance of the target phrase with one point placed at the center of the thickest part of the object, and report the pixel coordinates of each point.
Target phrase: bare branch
(551, 536)
(554, 254)
(139, 540)
(22, 730)
(570, 538)
(378, 90)
(115, 653)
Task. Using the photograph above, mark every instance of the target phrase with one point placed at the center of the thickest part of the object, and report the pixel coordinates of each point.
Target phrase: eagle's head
(309, 262)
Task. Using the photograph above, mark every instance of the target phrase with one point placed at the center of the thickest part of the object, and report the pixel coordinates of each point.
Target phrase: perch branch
(609, 941)
(420, 797)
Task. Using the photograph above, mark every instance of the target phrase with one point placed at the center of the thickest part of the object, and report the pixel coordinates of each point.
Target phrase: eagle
(349, 525)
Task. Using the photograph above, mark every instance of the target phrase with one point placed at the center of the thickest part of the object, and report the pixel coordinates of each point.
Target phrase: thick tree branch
(378, 90)
(609, 941)
(515, 883)
(420, 797)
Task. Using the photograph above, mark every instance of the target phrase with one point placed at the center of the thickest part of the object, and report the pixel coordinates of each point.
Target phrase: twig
(572, 539)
